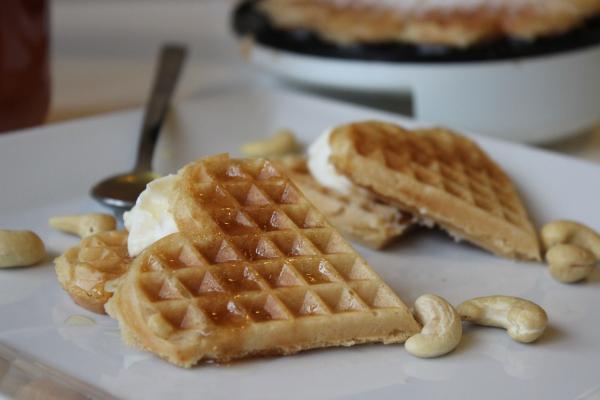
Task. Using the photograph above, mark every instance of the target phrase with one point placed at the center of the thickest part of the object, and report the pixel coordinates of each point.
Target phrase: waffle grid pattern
(105, 251)
(99, 258)
(83, 270)
(357, 215)
(442, 160)
(275, 258)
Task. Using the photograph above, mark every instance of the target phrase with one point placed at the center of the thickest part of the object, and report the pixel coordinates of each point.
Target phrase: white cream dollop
(151, 218)
(321, 168)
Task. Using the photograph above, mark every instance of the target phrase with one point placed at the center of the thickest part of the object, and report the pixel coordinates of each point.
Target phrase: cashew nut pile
(282, 143)
(442, 328)
(85, 224)
(20, 248)
(572, 250)
(524, 321)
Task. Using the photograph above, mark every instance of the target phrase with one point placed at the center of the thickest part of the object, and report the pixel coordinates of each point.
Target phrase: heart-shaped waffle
(438, 176)
(254, 270)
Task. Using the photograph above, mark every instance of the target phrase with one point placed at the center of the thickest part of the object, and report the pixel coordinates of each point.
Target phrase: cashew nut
(283, 142)
(572, 250)
(524, 321)
(85, 224)
(20, 248)
(559, 232)
(570, 263)
(442, 328)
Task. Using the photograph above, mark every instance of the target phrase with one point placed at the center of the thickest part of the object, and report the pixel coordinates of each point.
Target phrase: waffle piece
(439, 176)
(83, 270)
(358, 216)
(452, 23)
(258, 271)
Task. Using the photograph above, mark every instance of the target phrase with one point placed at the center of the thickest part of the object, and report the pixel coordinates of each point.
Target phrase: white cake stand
(534, 99)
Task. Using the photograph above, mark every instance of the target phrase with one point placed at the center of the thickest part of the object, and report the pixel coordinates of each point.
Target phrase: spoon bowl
(121, 191)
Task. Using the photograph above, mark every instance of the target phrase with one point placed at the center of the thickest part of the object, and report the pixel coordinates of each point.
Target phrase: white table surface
(488, 364)
(103, 52)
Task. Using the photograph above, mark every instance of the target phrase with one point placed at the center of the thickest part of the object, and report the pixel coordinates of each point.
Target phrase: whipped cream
(322, 169)
(152, 217)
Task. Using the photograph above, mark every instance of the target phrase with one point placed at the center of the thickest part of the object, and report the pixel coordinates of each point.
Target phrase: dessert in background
(453, 23)
(253, 269)
(437, 175)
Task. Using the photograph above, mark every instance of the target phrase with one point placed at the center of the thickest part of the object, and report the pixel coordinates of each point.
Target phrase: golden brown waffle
(352, 21)
(439, 176)
(258, 271)
(83, 270)
(359, 216)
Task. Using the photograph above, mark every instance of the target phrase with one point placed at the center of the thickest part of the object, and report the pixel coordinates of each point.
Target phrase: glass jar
(24, 64)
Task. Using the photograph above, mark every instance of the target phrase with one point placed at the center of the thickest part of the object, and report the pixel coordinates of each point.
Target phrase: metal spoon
(120, 192)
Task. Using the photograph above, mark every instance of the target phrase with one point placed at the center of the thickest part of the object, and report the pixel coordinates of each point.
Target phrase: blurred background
(102, 57)
(103, 52)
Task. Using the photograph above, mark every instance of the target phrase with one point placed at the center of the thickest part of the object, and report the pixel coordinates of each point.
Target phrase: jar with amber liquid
(24, 64)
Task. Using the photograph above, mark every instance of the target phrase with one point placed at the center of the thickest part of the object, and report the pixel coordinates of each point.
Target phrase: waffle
(254, 270)
(357, 216)
(456, 24)
(439, 176)
(83, 270)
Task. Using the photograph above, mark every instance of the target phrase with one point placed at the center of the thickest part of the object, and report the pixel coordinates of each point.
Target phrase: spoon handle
(171, 60)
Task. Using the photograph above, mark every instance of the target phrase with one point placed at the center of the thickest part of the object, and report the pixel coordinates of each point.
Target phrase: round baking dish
(531, 92)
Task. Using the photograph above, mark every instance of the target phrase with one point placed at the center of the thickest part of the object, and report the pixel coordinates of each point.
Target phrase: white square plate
(48, 171)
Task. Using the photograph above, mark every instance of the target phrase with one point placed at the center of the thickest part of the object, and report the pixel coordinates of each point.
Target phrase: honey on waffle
(83, 270)
(357, 215)
(259, 271)
(439, 176)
